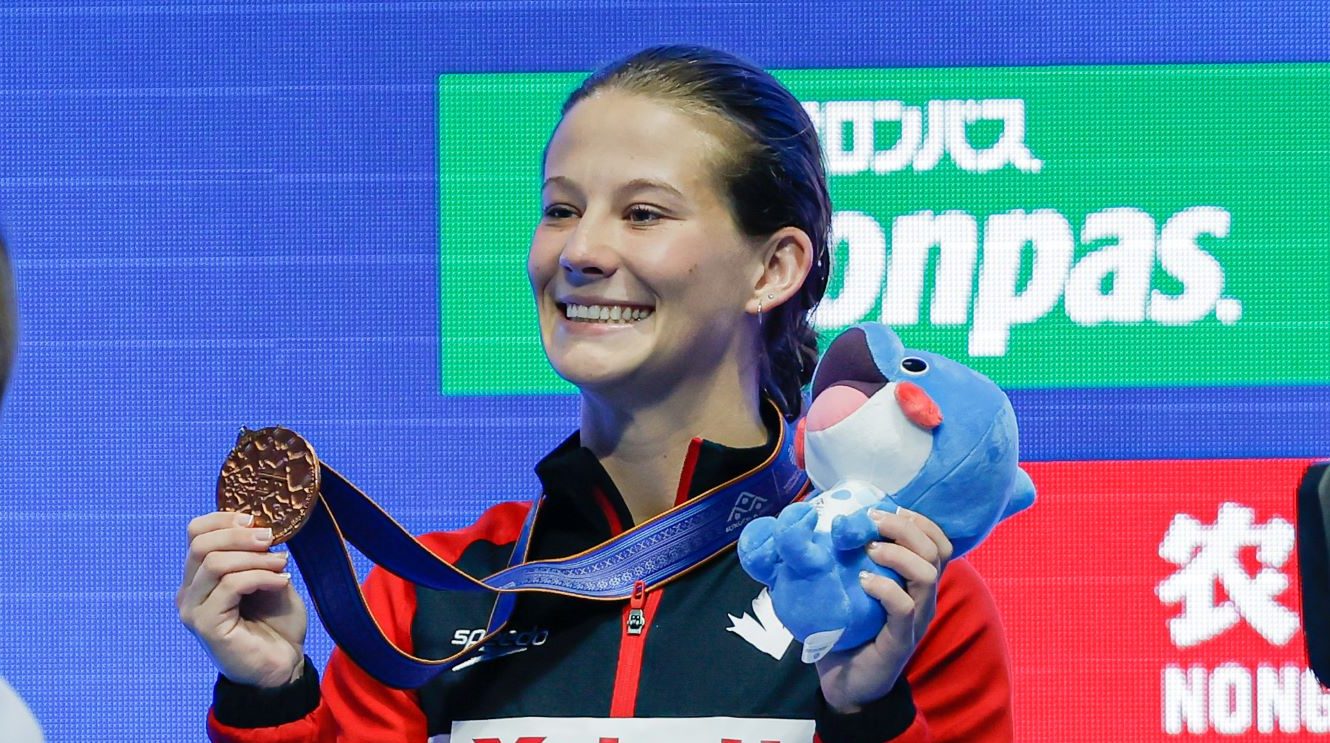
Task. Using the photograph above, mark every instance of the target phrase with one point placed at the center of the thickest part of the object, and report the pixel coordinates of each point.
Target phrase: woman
(682, 243)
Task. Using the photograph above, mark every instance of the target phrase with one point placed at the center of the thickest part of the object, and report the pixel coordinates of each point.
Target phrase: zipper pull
(637, 617)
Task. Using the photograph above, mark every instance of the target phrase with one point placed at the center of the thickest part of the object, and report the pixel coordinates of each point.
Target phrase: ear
(787, 257)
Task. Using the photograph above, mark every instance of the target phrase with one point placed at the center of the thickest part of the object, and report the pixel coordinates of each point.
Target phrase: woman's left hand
(918, 551)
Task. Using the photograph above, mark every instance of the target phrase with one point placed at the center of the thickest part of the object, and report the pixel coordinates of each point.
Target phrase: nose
(588, 254)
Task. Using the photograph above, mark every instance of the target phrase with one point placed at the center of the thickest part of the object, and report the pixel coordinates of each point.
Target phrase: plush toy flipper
(854, 531)
(1022, 494)
(802, 555)
(757, 550)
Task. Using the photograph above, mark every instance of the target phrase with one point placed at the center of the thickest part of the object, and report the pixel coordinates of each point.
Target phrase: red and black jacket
(566, 666)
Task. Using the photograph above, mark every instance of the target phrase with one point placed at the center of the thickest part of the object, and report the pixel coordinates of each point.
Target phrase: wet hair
(8, 319)
(771, 171)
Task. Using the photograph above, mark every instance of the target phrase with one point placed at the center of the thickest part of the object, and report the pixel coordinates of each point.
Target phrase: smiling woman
(635, 220)
(681, 245)
(736, 172)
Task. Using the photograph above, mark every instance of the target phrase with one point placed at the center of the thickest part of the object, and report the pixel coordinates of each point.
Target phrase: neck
(642, 444)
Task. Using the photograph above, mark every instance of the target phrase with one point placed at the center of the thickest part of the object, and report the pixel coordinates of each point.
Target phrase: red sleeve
(960, 674)
(353, 705)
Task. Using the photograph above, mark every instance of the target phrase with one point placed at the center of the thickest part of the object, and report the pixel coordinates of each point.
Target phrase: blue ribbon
(653, 553)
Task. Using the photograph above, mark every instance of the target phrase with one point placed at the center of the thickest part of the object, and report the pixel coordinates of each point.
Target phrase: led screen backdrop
(1147, 222)
(317, 214)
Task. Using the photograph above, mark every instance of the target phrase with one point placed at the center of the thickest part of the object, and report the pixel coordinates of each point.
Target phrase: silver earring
(759, 307)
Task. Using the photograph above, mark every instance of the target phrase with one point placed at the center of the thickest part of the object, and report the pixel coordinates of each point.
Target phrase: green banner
(1052, 227)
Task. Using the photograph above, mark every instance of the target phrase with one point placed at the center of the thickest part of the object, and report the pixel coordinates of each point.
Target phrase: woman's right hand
(237, 599)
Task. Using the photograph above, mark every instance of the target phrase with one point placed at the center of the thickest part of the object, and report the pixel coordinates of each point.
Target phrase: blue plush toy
(888, 427)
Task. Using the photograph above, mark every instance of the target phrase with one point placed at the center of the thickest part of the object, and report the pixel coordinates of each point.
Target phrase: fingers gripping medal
(272, 475)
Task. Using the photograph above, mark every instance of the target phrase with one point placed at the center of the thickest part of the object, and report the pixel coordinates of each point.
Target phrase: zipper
(637, 617)
(636, 621)
(640, 611)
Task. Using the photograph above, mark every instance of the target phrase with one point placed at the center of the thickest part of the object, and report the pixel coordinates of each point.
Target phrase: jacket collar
(572, 474)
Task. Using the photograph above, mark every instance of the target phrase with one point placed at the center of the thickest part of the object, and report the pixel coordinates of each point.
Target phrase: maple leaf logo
(765, 633)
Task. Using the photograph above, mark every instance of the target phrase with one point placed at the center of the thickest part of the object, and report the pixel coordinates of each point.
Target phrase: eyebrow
(637, 184)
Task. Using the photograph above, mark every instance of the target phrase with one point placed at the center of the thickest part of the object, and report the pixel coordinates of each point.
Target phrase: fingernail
(263, 536)
(876, 514)
(864, 577)
(285, 576)
(907, 513)
(874, 546)
(285, 556)
(244, 519)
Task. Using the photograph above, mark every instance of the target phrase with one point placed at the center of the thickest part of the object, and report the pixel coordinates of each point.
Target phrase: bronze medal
(273, 475)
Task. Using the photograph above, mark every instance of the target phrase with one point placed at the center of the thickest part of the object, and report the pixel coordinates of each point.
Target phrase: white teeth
(605, 313)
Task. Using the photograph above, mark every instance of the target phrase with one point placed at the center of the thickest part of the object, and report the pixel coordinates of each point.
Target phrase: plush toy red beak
(918, 406)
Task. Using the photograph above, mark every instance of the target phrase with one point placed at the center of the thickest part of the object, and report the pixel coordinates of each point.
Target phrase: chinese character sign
(1208, 558)
(1171, 587)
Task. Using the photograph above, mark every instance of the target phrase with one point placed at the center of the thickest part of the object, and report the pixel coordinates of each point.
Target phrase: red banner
(1156, 601)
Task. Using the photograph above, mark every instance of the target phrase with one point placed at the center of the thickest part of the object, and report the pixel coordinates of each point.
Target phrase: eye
(641, 214)
(913, 365)
(557, 211)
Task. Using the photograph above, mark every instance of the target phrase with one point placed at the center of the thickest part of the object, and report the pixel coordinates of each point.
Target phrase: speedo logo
(1027, 267)
(505, 643)
(852, 134)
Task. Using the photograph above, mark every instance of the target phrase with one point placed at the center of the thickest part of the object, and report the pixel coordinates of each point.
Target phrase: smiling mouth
(621, 314)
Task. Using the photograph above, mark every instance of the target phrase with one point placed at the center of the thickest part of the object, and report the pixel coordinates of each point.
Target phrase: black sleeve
(875, 722)
(244, 706)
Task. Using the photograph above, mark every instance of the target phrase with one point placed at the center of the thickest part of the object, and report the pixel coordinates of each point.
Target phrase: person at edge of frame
(682, 243)
(17, 725)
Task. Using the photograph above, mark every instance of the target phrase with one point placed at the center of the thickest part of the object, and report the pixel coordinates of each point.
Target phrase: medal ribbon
(653, 553)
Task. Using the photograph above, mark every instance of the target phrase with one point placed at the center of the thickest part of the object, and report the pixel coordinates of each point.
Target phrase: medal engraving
(273, 475)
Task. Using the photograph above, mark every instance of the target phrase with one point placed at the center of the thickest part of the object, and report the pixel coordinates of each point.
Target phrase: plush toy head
(887, 427)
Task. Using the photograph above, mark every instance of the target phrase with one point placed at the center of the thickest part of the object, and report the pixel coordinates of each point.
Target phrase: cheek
(542, 260)
(698, 256)
(720, 272)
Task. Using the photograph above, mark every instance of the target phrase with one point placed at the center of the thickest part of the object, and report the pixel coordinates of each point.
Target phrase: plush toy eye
(913, 365)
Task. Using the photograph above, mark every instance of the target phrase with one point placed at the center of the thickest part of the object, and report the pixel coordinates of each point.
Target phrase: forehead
(613, 137)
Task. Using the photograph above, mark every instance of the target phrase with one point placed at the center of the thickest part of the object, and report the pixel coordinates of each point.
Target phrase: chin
(587, 370)
(596, 360)
(603, 381)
